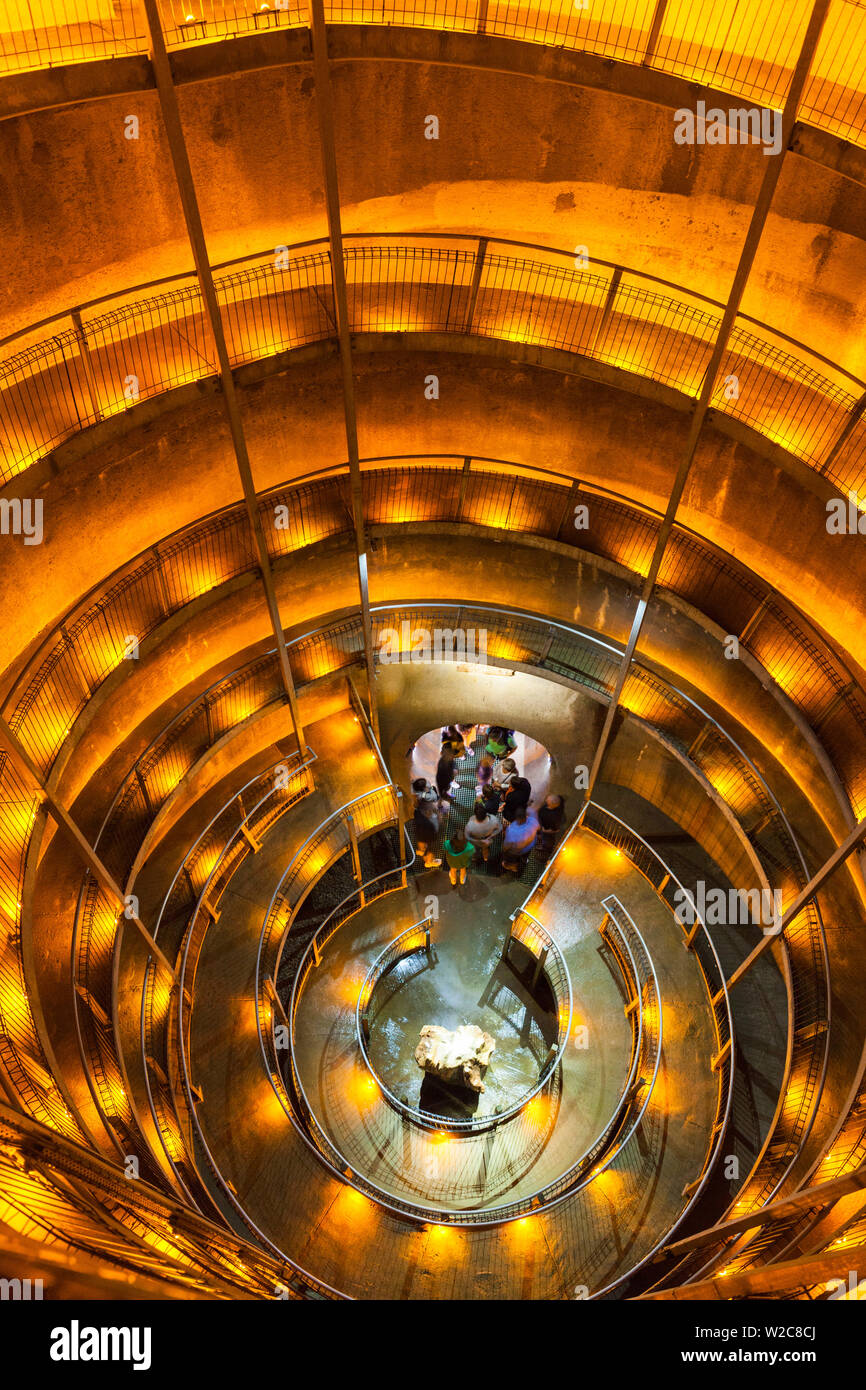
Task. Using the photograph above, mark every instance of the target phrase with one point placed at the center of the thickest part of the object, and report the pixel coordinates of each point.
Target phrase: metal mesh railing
(580, 1224)
(22, 1055)
(184, 917)
(68, 1199)
(747, 49)
(383, 978)
(107, 360)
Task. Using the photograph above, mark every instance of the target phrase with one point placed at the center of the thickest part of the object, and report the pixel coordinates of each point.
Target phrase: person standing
(520, 836)
(516, 798)
(506, 774)
(500, 742)
(459, 854)
(444, 777)
(481, 830)
(452, 742)
(425, 824)
(424, 792)
(484, 775)
(550, 818)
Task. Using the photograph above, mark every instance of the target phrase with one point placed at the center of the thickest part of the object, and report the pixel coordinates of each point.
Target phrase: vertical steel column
(747, 256)
(183, 176)
(325, 110)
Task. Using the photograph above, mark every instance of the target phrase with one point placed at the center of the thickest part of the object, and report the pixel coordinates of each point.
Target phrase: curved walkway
(344, 1237)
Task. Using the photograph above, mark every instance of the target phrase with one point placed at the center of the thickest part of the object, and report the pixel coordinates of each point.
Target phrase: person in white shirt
(481, 829)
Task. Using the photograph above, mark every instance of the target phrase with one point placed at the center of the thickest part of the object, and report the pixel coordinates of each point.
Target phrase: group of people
(502, 806)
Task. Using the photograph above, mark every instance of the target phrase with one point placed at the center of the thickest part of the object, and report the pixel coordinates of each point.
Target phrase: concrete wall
(583, 166)
(773, 521)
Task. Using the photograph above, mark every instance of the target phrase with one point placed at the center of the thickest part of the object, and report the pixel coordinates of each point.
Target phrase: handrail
(297, 767)
(551, 1194)
(49, 382)
(426, 1119)
(199, 1134)
(753, 60)
(253, 257)
(597, 642)
(545, 625)
(723, 1022)
(497, 1216)
(779, 632)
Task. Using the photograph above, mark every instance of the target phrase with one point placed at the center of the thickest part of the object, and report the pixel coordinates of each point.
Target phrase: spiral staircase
(591, 394)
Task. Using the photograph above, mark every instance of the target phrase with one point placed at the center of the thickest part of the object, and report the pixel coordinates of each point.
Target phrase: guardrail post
(356, 858)
(86, 363)
(142, 785)
(655, 31)
(161, 580)
(401, 834)
(477, 272)
(464, 482)
(568, 509)
(689, 938)
(271, 991)
(487, 1151)
(539, 965)
(607, 311)
(406, 1128)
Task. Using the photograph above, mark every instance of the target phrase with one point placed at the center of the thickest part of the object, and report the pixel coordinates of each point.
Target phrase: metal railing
(550, 963)
(85, 648)
(307, 866)
(458, 1165)
(61, 1196)
(582, 658)
(200, 881)
(194, 937)
(634, 1141)
(748, 49)
(621, 318)
(806, 1063)
(22, 1055)
(683, 721)
(145, 790)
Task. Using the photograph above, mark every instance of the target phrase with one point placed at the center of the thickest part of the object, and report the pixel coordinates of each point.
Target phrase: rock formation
(460, 1056)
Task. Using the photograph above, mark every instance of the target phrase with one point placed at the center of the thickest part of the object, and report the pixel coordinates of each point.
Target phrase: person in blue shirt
(518, 840)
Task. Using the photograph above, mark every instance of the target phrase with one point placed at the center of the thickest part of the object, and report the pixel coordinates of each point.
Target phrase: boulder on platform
(460, 1055)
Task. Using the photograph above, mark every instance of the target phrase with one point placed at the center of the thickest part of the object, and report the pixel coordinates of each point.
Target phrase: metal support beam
(325, 111)
(26, 768)
(183, 176)
(816, 882)
(824, 1194)
(476, 283)
(655, 31)
(845, 433)
(747, 256)
(769, 1279)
